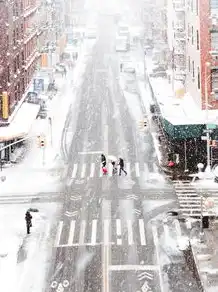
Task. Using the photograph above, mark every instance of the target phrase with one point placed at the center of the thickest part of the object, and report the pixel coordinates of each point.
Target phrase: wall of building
(193, 51)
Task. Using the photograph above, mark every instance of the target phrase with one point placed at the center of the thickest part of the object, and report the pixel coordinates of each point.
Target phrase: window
(189, 64)
(197, 37)
(8, 74)
(192, 35)
(214, 4)
(199, 79)
(14, 37)
(15, 66)
(193, 69)
(214, 41)
(197, 7)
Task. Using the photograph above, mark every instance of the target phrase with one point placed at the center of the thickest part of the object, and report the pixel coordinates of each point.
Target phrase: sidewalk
(206, 258)
(24, 258)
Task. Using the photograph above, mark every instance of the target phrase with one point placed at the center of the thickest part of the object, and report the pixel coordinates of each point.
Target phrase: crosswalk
(28, 198)
(93, 170)
(117, 232)
(190, 202)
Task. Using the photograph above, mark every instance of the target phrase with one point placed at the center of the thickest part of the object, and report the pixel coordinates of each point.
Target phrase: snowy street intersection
(110, 235)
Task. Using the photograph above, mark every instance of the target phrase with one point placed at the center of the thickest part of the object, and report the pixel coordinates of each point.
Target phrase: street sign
(204, 138)
(38, 85)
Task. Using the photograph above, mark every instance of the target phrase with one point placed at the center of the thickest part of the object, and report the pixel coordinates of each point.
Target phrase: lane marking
(142, 231)
(94, 232)
(106, 231)
(82, 232)
(118, 228)
(59, 231)
(71, 232)
(130, 233)
(75, 167)
(133, 267)
(145, 275)
(92, 169)
(83, 172)
(137, 171)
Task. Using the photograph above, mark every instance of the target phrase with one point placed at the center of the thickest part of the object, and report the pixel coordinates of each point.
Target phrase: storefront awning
(21, 124)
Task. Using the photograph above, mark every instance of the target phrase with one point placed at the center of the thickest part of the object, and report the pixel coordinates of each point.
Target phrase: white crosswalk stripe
(114, 232)
(189, 198)
(94, 170)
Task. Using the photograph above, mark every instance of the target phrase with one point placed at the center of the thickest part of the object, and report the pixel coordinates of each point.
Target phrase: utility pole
(50, 124)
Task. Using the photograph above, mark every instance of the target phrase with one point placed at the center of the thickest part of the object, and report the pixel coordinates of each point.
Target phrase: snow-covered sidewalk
(24, 258)
(206, 259)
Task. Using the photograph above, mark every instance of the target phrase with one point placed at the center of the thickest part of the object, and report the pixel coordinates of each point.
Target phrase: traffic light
(42, 143)
(5, 105)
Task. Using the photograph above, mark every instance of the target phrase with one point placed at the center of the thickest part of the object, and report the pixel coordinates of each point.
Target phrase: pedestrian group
(114, 166)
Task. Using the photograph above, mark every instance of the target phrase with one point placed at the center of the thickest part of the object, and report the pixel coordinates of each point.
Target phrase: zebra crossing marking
(137, 171)
(130, 233)
(94, 169)
(71, 233)
(118, 228)
(83, 172)
(75, 167)
(94, 232)
(142, 231)
(119, 231)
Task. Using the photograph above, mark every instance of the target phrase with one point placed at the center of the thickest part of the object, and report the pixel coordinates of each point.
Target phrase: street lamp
(207, 65)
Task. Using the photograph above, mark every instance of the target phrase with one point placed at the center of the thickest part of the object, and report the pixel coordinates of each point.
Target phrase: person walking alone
(28, 218)
(121, 164)
(103, 160)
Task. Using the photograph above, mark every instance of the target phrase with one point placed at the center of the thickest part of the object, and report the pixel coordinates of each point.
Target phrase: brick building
(23, 31)
(202, 51)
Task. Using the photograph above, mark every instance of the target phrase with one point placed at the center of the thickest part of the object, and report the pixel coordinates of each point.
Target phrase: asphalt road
(105, 240)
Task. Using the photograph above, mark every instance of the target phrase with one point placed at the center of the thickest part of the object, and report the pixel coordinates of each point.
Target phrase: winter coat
(28, 216)
(121, 163)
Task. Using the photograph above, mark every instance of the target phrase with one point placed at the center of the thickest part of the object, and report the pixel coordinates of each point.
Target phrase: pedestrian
(28, 218)
(121, 164)
(121, 67)
(114, 169)
(103, 160)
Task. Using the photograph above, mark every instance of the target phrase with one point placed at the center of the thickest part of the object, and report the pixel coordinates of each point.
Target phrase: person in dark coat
(103, 160)
(114, 169)
(28, 218)
(121, 164)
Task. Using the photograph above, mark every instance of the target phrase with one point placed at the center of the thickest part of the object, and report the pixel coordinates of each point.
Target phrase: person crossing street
(28, 218)
(121, 164)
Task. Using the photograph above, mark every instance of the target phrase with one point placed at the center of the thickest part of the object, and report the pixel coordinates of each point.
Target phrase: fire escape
(178, 54)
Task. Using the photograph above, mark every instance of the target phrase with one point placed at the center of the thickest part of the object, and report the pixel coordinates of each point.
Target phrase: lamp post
(207, 65)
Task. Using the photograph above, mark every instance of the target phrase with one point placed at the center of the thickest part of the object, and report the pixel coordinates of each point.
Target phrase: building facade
(202, 51)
